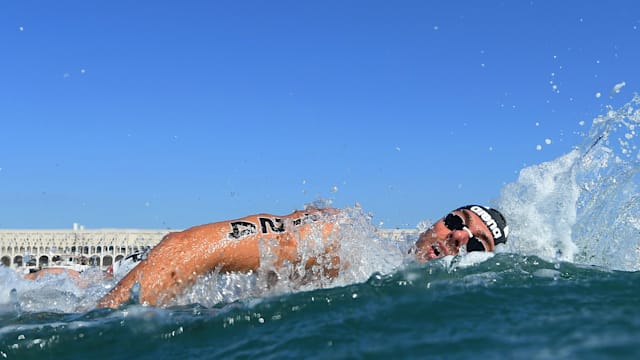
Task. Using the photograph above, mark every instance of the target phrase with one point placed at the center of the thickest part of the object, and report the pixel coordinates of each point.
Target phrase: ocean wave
(584, 206)
(415, 298)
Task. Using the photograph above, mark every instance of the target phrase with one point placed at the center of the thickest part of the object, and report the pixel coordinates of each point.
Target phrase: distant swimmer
(52, 271)
(75, 276)
(234, 245)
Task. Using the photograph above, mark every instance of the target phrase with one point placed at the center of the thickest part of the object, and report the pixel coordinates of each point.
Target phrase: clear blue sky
(156, 114)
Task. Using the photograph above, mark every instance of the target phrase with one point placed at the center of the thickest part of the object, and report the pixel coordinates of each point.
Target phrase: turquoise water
(508, 306)
(566, 285)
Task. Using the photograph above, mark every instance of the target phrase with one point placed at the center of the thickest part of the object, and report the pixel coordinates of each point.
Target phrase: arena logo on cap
(488, 220)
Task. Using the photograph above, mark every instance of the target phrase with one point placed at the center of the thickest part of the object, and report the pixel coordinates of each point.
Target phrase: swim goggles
(456, 222)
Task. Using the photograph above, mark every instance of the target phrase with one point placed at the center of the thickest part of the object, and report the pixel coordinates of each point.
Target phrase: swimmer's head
(472, 227)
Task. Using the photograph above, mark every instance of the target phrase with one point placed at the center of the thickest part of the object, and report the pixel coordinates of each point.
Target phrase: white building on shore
(35, 249)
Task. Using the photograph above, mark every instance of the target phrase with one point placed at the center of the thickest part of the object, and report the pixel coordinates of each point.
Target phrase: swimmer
(80, 279)
(227, 246)
(72, 274)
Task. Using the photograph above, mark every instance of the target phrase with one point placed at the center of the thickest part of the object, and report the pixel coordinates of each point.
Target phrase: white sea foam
(541, 208)
(584, 206)
(361, 249)
(50, 293)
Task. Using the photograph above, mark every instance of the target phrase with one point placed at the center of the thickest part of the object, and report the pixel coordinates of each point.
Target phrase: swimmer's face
(446, 237)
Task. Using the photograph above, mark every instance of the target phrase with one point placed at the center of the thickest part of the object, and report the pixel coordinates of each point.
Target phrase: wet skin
(177, 261)
(440, 241)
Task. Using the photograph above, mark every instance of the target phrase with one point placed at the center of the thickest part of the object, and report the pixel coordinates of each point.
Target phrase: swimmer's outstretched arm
(178, 260)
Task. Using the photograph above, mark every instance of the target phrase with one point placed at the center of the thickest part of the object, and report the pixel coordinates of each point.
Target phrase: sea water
(565, 286)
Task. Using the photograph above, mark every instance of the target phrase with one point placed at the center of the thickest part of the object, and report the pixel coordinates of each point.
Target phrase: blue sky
(163, 114)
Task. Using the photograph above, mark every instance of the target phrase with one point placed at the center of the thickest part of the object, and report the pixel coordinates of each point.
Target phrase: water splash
(56, 293)
(583, 206)
(359, 247)
(541, 208)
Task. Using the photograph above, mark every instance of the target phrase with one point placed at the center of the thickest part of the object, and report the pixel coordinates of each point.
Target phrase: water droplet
(13, 299)
(618, 87)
